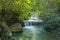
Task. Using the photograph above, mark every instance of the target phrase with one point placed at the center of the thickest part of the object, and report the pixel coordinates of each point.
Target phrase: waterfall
(34, 28)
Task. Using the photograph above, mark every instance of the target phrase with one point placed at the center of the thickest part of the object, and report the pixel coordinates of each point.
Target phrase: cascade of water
(33, 28)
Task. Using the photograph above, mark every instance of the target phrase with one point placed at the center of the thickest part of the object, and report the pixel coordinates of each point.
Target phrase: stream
(33, 30)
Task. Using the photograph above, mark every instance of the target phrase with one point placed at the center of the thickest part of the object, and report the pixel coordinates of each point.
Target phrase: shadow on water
(16, 36)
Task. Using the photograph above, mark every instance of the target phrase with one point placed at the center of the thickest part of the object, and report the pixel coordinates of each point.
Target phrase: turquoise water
(36, 34)
(16, 36)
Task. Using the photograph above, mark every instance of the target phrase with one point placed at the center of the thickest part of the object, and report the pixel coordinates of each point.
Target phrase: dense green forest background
(16, 11)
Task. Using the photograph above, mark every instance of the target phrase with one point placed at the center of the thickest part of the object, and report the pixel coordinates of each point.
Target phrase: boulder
(16, 27)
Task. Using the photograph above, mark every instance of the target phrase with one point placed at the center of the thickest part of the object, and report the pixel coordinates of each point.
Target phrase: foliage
(13, 11)
(48, 10)
(50, 13)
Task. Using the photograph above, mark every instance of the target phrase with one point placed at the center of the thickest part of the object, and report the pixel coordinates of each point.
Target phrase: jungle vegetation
(16, 11)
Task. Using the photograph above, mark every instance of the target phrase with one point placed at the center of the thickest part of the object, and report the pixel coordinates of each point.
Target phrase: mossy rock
(16, 27)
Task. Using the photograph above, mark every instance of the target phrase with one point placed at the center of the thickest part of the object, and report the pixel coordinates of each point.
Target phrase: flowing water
(33, 30)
